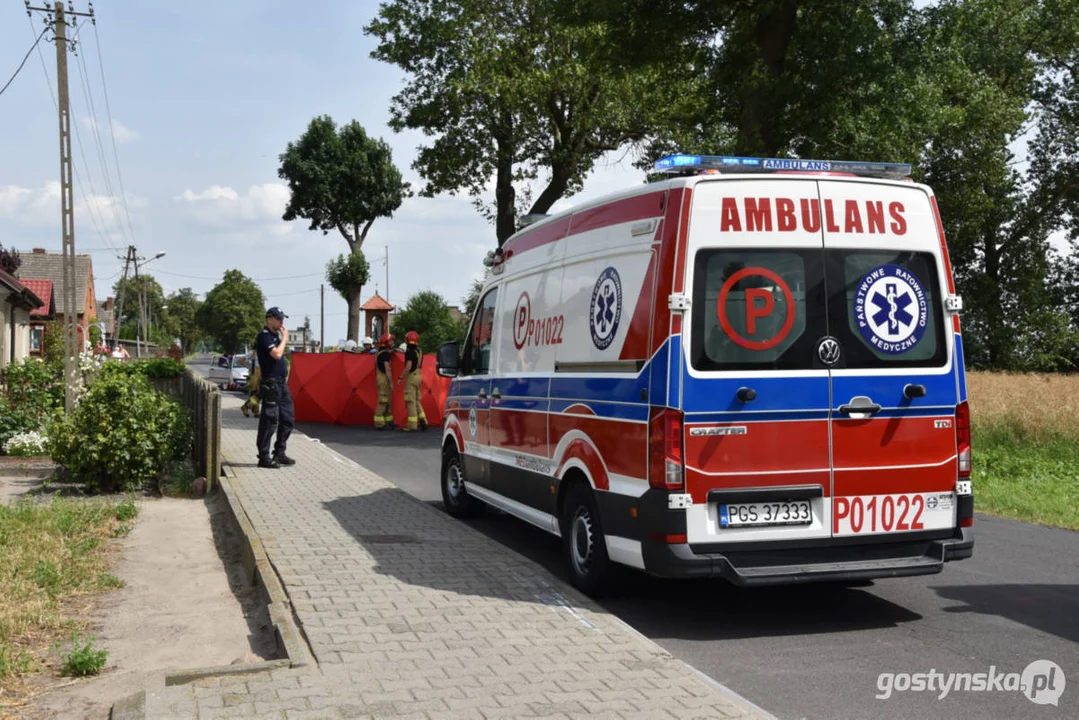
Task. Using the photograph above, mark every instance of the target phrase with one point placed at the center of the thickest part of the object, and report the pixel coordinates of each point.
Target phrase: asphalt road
(818, 652)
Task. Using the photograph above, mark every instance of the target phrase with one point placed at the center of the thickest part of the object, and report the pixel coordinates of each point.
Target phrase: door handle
(860, 405)
(496, 395)
(482, 395)
(746, 394)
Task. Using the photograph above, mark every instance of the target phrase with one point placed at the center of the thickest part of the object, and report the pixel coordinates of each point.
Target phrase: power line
(25, 57)
(97, 223)
(112, 136)
(265, 279)
(95, 126)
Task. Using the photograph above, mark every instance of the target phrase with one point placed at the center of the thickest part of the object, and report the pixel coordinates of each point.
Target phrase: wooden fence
(203, 400)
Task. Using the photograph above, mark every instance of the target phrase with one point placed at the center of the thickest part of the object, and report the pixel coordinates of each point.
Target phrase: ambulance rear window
(885, 308)
(757, 309)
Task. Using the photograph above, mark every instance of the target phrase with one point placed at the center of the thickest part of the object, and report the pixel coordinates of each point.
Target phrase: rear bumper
(821, 563)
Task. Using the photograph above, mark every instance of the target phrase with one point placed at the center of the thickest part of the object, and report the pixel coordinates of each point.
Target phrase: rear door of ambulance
(894, 388)
(755, 394)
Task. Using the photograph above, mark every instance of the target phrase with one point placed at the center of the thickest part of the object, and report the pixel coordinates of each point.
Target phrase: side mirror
(446, 360)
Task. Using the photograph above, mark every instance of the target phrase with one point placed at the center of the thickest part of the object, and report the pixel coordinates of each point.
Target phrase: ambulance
(750, 369)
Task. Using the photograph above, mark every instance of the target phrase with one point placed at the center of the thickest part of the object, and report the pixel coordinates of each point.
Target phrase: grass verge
(51, 554)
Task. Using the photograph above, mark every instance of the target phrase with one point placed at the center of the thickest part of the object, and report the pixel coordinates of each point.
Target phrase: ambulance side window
(476, 359)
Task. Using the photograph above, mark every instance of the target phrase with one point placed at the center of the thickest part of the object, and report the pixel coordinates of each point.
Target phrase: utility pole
(57, 18)
(128, 259)
(322, 318)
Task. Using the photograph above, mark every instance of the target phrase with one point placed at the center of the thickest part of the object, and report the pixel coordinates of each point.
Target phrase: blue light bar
(703, 164)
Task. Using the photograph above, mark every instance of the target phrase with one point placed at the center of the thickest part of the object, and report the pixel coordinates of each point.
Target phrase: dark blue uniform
(277, 411)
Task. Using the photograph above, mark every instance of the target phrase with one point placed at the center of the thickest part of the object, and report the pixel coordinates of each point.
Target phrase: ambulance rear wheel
(583, 544)
(455, 497)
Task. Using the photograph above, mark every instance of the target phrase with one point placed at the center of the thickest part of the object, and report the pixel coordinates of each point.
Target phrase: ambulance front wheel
(455, 497)
(583, 544)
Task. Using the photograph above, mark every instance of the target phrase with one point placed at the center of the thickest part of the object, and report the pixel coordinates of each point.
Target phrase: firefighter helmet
(386, 340)
(412, 337)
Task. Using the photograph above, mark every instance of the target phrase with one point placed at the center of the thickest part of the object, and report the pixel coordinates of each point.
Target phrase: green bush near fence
(162, 367)
(122, 433)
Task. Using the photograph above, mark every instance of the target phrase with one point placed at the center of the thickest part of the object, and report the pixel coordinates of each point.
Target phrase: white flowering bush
(26, 444)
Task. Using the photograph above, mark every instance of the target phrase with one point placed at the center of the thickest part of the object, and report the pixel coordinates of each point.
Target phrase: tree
(343, 180)
(234, 312)
(426, 313)
(180, 320)
(127, 292)
(980, 97)
(9, 260)
(348, 275)
(508, 90)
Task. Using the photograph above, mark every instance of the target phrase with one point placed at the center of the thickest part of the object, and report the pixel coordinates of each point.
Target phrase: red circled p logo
(522, 315)
(754, 310)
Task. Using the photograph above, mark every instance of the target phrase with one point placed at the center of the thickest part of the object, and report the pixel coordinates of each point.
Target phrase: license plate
(794, 512)
(879, 514)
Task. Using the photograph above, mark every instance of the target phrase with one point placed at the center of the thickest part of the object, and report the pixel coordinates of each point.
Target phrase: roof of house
(376, 303)
(51, 267)
(25, 296)
(43, 289)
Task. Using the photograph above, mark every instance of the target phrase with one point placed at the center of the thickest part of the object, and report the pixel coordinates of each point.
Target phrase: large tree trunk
(505, 194)
(354, 313)
(996, 334)
(759, 133)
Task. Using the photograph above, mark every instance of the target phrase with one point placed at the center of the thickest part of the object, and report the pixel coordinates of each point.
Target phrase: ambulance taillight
(666, 460)
(962, 438)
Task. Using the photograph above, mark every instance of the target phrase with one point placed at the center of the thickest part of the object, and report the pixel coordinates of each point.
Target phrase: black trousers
(277, 416)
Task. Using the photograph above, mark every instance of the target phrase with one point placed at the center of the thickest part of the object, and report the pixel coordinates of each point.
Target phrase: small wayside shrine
(376, 312)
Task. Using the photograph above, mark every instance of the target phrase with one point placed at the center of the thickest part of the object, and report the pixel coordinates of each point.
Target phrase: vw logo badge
(828, 351)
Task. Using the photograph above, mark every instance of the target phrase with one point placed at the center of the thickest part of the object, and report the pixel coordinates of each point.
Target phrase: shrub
(121, 434)
(34, 396)
(26, 444)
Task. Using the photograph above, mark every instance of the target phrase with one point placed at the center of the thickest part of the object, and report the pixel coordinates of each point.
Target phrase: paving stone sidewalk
(411, 614)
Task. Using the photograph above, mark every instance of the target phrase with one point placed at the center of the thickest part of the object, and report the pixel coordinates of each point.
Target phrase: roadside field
(1026, 446)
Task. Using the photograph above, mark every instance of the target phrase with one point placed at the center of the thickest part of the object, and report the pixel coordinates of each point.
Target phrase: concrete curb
(26, 467)
(261, 574)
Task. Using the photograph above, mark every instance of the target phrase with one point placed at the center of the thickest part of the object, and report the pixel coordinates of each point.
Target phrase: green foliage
(234, 311)
(121, 434)
(509, 91)
(84, 659)
(9, 263)
(52, 343)
(180, 319)
(341, 179)
(34, 396)
(426, 313)
(129, 290)
(347, 275)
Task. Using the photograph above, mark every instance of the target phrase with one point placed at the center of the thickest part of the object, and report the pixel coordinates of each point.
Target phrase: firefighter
(383, 412)
(413, 361)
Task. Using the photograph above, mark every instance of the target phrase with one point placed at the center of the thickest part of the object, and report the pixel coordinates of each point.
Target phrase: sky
(203, 98)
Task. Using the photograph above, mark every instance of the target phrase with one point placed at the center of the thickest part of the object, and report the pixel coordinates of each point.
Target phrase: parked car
(229, 371)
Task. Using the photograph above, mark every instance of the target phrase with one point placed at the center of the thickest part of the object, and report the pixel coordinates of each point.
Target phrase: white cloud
(120, 132)
(223, 208)
(40, 208)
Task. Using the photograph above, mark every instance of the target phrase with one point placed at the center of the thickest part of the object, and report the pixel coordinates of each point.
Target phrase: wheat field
(1035, 407)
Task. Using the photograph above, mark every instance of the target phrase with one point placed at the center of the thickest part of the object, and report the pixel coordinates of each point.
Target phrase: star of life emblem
(891, 309)
(605, 310)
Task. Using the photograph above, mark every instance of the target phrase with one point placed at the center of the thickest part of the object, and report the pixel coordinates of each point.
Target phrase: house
(41, 265)
(44, 290)
(16, 303)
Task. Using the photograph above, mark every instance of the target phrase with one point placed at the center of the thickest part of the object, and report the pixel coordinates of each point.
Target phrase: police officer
(277, 414)
(413, 360)
(383, 412)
